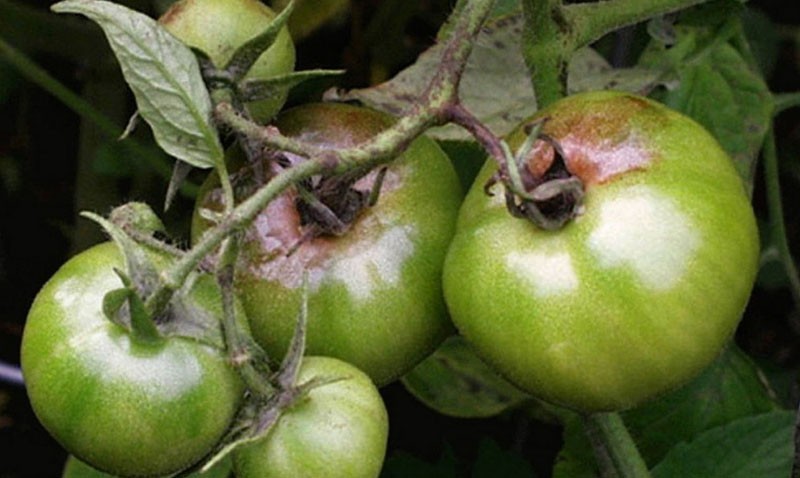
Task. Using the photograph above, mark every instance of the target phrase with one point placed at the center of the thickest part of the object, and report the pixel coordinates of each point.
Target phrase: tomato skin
(634, 296)
(375, 296)
(219, 27)
(338, 431)
(125, 407)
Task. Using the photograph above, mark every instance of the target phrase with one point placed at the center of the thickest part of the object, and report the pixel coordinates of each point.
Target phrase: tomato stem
(615, 450)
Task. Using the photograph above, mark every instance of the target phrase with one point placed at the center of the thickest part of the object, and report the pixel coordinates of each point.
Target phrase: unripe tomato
(638, 292)
(375, 296)
(124, 406)
(219, 27)
(338, 431)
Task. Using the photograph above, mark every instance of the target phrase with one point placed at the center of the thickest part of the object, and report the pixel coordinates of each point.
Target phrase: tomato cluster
(605, 261)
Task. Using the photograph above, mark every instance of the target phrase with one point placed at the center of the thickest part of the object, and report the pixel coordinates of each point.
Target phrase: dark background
(53, 164)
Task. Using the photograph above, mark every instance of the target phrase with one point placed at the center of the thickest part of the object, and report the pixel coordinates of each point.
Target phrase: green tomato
(339, 430)
(122, 405)
(375, 297)
(219, 27)
(635, 295)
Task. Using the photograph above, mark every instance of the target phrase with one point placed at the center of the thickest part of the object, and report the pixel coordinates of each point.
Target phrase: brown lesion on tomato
(599, 141)
(282, 242)
(571, 147)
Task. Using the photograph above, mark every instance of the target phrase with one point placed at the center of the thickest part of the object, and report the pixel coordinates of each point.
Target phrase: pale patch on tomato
(377, 264)
(646, 231)
(165, 374)
(548, 274)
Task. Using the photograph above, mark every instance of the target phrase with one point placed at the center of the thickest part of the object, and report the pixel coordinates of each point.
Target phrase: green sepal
(259, 414)
(252, 90)
(141, 325)
(140, 268)
(247, 54)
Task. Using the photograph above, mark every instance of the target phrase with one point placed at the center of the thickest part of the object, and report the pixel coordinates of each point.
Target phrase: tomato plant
(338, 430)
(125, 406)
(375, 295)
(607, 267)
(219, 27)
(644, 284)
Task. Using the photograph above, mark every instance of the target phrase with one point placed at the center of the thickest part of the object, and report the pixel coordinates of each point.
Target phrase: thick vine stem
(430, 110)
(614, 448)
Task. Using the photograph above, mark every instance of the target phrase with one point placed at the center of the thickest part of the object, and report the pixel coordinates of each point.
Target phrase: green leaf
(164, 77)
(718, 88)
(758, 446)
(494, 461)
(729, 389)
(454, 381)
(246, 55)
(496, 85)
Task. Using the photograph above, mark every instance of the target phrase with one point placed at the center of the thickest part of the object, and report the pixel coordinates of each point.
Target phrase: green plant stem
(431, 109)
(614, 448)
(785, 101)
(44, 80)
(553, 32)
(777, 227)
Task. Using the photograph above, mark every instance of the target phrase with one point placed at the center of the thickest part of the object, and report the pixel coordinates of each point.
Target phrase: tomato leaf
(164, 77)
(730, 389)
(760, 445)
(247, 54)
(496, 85)
(454, 381)
(719, 88)
(589, 71)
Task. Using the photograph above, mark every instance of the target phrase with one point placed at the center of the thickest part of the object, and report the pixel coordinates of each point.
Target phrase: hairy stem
(553, 32)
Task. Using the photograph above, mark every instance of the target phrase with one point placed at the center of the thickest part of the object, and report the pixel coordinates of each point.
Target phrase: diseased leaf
(164, 77)
(760, 446)
(589, 71)
(454, 381)
(496, 86)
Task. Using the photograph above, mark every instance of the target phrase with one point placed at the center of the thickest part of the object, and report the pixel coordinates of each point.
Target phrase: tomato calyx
(262, 409)
(328, 206)
(549, 200)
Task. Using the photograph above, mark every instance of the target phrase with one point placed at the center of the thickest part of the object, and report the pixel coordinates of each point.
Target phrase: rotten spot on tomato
(375, 278)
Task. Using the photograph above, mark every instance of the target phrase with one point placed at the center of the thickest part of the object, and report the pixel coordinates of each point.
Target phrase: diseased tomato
(339, 430)
(635, 294)
(219, 27)
(375, 296)
(124, 406)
